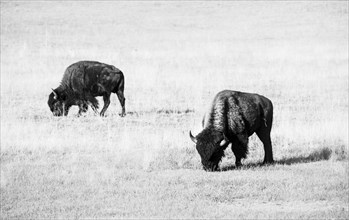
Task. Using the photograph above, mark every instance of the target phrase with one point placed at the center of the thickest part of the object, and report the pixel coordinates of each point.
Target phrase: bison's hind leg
(120, 93)
(121, 98)
(264, 135)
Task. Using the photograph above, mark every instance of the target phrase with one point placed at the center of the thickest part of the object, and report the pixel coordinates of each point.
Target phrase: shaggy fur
(82, 82)
(233, 117)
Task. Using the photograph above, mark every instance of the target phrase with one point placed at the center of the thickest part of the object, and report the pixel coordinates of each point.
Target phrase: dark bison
(82, 82)
(232, 118)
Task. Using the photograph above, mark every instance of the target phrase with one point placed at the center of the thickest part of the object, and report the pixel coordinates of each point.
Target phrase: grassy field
(175, 56)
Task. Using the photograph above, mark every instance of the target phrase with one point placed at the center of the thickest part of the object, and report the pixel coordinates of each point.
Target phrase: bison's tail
(121, 84)
(267, 114)
(265, 122)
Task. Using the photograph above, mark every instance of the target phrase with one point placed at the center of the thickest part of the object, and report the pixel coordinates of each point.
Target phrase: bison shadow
(317, 155)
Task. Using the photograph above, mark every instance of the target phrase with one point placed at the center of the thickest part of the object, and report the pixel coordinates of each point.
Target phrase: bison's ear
(192, 137)
(55, 94)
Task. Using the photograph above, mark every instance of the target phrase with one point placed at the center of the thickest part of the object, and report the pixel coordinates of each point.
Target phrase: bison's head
(56, 103)
(210, 144)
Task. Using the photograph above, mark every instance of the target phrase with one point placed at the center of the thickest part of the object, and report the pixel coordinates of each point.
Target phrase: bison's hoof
(268, 162)
(122, 114)
(238, 164)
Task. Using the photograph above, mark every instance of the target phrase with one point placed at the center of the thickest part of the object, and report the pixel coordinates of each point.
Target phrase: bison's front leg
(82, 108)
(93, 102)
(66, 108)
(239, 148)
(106, 99)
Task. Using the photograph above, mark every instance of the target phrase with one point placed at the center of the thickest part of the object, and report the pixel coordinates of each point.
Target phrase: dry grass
(176, 57)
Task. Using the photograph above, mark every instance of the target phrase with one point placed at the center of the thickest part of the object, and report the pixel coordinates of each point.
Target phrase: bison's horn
(224, 141)
(56, 96)
(192, 137)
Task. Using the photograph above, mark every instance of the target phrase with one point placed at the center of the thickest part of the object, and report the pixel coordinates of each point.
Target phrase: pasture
(175, 56)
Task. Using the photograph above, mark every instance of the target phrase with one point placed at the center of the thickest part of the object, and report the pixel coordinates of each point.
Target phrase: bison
(82, 82)
(232, 118)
